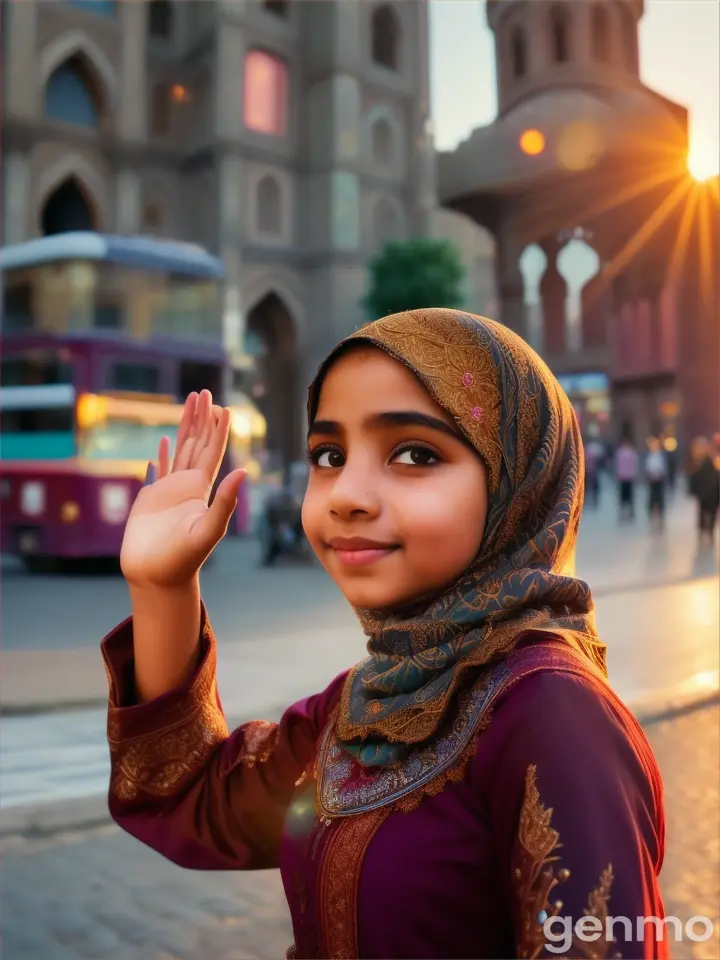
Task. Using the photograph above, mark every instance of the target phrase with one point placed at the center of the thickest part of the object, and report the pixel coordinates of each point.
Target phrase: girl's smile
(396, 503)
(359, 551)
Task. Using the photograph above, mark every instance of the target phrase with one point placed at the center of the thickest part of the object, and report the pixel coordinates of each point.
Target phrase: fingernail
(151, 474)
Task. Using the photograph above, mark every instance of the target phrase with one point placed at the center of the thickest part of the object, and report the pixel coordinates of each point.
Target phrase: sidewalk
(100, 894)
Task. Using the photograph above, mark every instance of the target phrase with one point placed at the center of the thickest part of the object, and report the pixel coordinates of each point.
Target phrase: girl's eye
(416, 456)
(326, 457)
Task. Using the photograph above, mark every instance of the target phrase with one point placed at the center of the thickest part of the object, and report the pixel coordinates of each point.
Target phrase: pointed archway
(271, 338)
(66, 209)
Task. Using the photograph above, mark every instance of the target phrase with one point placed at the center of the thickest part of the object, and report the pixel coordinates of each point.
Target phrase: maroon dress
(553, 807)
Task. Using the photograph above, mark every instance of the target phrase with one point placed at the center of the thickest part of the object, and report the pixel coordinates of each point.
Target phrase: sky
(679, 57)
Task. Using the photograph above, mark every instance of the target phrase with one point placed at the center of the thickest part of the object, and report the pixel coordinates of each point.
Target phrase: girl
(472, 788)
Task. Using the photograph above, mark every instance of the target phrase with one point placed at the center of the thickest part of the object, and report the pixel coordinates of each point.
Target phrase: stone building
(583, 153)
(291, 139)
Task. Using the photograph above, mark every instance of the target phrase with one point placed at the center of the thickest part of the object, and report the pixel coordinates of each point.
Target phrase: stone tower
(551, 44)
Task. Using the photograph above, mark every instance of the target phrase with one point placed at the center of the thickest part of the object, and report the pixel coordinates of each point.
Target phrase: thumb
(225, 501)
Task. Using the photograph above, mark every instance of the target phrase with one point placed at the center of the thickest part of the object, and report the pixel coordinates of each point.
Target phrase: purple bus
(101, 340)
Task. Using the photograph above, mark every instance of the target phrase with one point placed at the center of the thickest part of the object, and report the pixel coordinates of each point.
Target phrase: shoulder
(561, 706)
(572, 727)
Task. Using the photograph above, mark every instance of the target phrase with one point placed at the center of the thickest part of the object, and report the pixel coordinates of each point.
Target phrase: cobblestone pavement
(102, 895)
(687, 749)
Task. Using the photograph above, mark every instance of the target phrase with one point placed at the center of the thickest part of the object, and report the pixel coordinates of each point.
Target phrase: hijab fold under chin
(512, 410)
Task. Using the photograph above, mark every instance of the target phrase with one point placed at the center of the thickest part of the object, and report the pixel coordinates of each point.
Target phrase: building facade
(291, 139)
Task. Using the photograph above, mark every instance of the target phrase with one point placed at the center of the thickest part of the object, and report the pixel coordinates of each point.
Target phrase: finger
(186, 422)
(212, 456)
(214, 523)
(203, 423)
(164, 457)
(206, 440)
(185, 459)
(150, 474)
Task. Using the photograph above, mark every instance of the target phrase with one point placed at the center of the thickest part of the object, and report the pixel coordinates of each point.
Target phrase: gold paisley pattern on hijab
(509, 406)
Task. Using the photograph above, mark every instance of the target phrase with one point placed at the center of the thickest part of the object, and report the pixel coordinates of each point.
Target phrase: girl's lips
(364, 557)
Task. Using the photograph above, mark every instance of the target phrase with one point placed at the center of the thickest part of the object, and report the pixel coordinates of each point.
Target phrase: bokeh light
(532, 142)
(580, 145)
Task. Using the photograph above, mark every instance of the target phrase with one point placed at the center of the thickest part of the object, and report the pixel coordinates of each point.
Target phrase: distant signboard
(584, 384)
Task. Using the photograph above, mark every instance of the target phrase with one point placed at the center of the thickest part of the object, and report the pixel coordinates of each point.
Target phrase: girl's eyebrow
(412, 418)
(393, 418)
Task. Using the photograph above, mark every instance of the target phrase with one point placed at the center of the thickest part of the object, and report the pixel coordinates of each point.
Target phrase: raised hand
(171, 530)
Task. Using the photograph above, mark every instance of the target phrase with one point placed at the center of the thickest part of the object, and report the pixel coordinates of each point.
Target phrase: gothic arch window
(386, 224)
(560, 34)
(385, 37)
(265, 93)
(72, 93)
(268, 210)
(518, 52)
(160, 19)
(383, 145)
(600, 32)
(67, 208)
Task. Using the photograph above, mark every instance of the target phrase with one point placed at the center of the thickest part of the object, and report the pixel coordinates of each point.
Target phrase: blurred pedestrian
(476, 742)
(704, 484)
(670, 448)
(627, 465)
(656, 477)
(592, 475)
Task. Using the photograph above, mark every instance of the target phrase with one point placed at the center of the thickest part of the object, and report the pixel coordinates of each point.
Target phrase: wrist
(150, 596)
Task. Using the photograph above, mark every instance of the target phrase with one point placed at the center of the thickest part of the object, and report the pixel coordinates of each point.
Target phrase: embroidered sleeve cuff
(156, 745)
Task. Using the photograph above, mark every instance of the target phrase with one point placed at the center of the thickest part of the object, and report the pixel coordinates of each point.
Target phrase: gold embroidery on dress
(534, 879)
(157, 761)
(260, 739)
(340, 880)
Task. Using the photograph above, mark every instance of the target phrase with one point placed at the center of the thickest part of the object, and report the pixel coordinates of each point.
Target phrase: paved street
(101, 894)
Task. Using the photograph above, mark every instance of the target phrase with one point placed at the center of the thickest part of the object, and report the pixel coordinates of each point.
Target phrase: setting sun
(703, 160)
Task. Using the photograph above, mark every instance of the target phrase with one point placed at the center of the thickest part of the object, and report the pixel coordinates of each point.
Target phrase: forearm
(166, 637)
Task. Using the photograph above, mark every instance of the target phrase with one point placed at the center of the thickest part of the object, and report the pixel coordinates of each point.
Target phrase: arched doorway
(67, 209)
(271, 339)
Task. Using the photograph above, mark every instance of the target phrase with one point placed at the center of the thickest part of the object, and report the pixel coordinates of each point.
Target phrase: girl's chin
(377, 597)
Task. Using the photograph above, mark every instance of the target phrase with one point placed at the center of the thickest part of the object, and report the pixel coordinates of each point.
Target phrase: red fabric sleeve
(575, 803)
(180, 783)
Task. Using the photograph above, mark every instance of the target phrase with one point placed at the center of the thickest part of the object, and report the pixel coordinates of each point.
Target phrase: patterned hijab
(514, 413)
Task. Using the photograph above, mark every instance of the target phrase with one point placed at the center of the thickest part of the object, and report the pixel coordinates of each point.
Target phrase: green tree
(412, 275)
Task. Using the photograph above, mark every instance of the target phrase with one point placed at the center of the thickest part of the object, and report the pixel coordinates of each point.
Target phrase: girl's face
(397, 500)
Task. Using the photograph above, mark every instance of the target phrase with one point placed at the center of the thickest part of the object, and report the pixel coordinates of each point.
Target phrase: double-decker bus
(102, 339)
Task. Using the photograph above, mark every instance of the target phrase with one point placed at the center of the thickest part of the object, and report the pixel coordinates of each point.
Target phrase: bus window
(200, 376)
(36, 368)
(37, 434)
(17, 308)
(116, 439)
(136, 377)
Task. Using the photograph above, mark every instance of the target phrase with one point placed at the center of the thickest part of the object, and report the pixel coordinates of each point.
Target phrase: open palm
(171, 529)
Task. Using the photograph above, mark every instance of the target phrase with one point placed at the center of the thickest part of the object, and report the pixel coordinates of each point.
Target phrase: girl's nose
(353, 493)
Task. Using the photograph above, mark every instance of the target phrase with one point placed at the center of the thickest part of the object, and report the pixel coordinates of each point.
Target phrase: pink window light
(265, 98)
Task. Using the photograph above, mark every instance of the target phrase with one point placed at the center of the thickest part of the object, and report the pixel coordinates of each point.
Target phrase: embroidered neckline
(343, 789)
